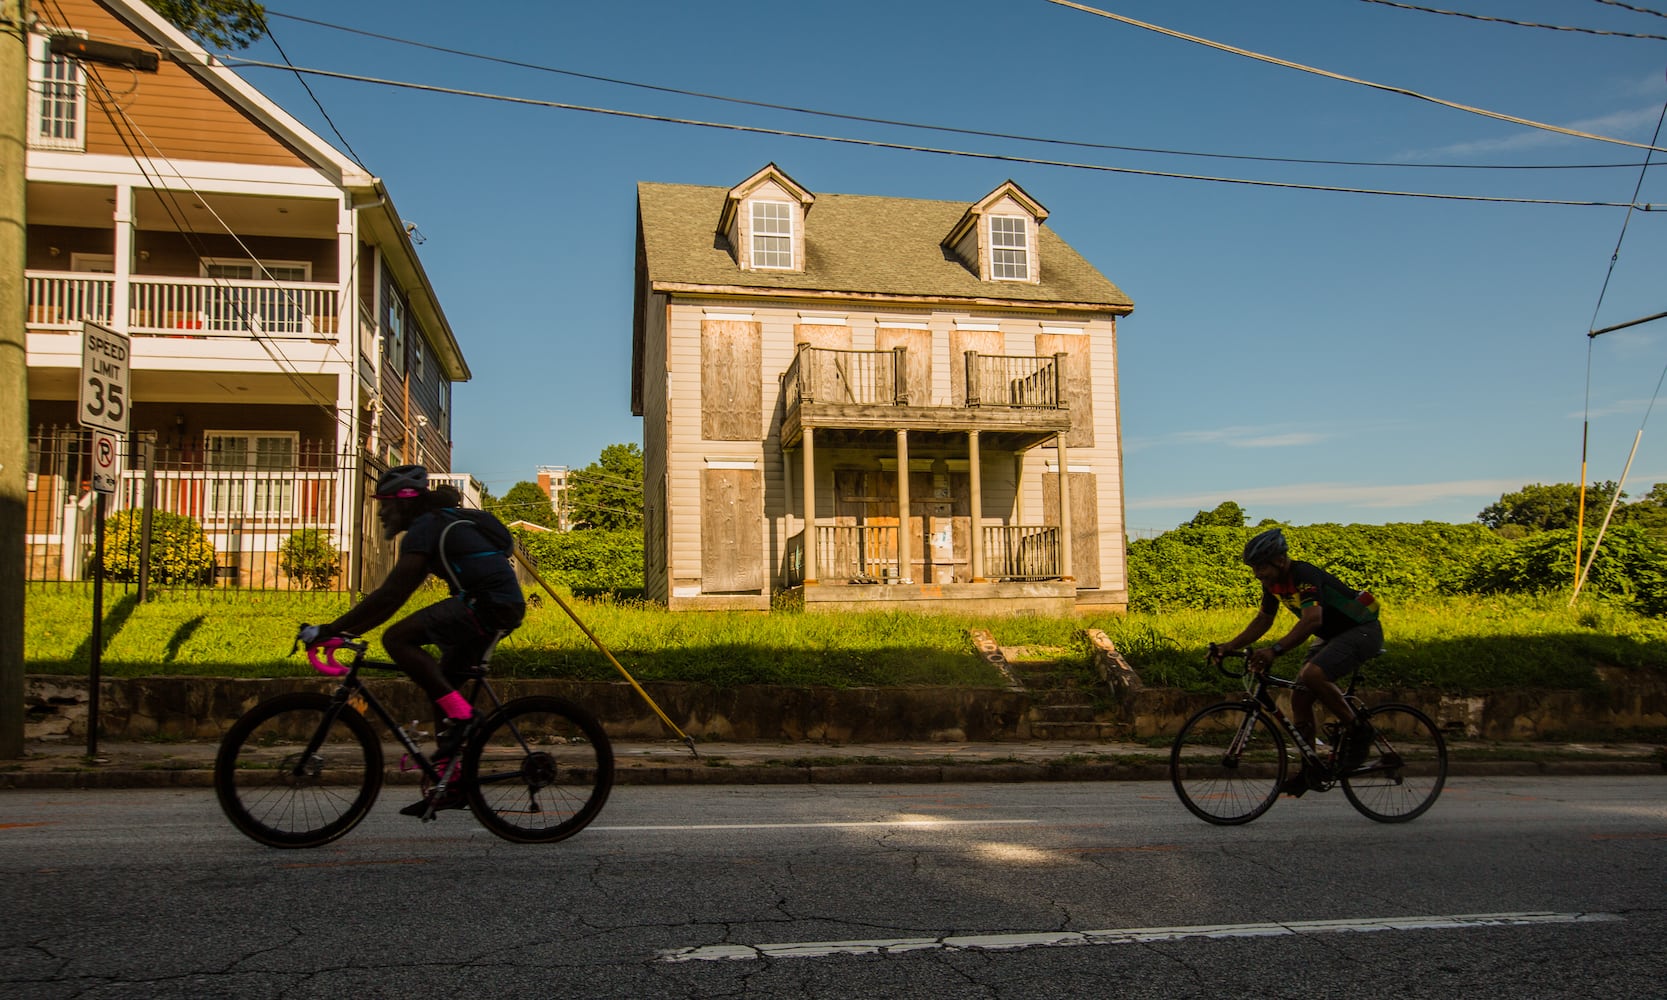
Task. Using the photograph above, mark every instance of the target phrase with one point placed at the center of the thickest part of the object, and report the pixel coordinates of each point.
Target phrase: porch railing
(1021, 552)
(184, 307)
(1004, 380)
(857, 553)
(822, 375)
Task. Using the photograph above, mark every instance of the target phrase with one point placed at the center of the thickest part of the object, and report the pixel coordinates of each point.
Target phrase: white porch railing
(184, 307)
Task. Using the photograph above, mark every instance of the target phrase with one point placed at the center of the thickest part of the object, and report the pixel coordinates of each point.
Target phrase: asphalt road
(1104, 889)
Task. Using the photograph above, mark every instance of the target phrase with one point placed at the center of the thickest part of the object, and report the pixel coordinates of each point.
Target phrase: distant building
(552, 479)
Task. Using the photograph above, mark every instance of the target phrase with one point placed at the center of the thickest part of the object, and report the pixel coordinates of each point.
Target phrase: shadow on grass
(115, 616)
(181, 636)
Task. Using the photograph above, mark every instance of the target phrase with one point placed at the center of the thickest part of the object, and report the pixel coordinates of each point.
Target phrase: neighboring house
(795, 352)
(286, 341)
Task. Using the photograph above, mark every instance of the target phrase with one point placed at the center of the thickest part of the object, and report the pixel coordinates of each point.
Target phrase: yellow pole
(532, 571)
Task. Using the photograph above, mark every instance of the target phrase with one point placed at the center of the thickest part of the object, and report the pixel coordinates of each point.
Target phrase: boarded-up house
(869, 402)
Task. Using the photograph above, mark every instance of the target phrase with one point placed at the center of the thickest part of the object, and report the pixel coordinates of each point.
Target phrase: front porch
(1051, 598)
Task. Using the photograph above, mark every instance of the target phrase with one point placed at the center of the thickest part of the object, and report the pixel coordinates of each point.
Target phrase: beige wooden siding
(169, 113)
(962, 341)
(1078, 383)
(919, 346)
(731, 391)
(731, 527)
(1085, 524)
(656, 438)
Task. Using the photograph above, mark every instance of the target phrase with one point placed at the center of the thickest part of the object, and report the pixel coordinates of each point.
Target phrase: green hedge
(179, 551)
(589, 561)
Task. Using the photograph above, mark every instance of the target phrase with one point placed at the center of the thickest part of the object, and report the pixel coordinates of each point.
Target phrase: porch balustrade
(188, 307)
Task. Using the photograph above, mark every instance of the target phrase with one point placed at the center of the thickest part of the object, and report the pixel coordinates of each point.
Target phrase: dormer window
(772, 235)
(1009, 248)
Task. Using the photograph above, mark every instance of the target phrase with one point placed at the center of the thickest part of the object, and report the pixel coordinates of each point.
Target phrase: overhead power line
(1640, 10)
(1387, 88)
(980, 133)
(235, 61)
(1520, 24)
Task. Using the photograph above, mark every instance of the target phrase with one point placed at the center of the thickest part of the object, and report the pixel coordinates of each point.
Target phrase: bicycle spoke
(1227, 763)
(540, 770)
(1405, 770)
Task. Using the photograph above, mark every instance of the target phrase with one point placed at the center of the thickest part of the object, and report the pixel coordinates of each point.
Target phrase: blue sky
(1315, 356)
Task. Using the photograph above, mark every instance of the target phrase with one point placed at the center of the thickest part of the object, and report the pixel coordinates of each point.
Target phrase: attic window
(1009, 248)
(772, 235)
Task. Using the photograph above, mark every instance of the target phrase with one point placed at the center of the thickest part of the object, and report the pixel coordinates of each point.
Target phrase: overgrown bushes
(592, 561)
(1198, 567)
(179, 552)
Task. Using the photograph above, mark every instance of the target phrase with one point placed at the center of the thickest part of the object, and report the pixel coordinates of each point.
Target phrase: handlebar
(322, 655)
(1242, 655)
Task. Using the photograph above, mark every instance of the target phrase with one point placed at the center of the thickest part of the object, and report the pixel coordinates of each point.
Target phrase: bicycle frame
(351, 691)
(1256, 692)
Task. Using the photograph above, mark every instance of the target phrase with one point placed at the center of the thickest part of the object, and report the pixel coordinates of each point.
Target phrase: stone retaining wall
(202, 708)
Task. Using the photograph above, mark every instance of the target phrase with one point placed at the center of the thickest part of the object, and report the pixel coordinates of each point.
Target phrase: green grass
(1454, 645)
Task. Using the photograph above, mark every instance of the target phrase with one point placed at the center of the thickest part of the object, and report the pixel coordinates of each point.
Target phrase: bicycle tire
(1408, 769)
(1222, 783)
(271, 798)
(538, 770)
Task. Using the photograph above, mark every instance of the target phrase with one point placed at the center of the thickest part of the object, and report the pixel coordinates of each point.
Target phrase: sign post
(104, 398)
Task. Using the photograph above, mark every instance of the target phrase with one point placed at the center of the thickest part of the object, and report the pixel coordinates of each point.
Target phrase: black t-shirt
(475, 564)
(1342, 607)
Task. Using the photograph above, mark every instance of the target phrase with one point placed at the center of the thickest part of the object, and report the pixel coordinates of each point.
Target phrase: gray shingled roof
(855, 243)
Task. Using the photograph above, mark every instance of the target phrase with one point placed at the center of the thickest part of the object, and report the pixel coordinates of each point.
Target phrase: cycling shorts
(463, 633)
(1343, 653)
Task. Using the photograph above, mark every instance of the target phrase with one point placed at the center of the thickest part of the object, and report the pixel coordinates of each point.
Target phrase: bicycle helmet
(1264, 547)
(402, 482)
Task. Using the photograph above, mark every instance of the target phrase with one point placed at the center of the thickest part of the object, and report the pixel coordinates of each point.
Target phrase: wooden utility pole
(14, 366)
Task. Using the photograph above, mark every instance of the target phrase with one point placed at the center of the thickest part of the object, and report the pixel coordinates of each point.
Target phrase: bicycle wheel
(276, 792)
(1227, 763)
(1405, 769)
(538, 770)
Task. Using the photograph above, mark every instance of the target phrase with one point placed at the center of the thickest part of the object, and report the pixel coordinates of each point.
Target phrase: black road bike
(1229, 760)
(302, 769)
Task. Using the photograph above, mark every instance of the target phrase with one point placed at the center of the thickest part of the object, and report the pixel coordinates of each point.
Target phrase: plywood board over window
(1078, 383)
(962, 341)
(731, 392)
(731, 531)
(1085, 523)
(918, 346)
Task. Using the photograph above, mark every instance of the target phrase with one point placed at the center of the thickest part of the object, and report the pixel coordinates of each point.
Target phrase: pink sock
(455, 706)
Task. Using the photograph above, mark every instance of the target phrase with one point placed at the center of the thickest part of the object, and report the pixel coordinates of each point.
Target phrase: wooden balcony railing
(868, 553)
(820, 375)
(188, 307)
(857, 553)
(1006, 380)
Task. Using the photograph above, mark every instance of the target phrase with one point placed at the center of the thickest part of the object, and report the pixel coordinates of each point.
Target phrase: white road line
(924, 824)
(1128, 935)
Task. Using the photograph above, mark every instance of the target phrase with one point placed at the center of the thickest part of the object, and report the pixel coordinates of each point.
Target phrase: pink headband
(404, 494)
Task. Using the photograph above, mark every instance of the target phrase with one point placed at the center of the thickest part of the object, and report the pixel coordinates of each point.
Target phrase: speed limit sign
(105, 363)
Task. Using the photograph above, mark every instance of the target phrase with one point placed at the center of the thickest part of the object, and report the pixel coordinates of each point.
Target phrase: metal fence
(232, 513)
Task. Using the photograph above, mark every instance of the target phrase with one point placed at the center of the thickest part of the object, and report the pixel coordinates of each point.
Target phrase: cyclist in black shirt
(470, 550)
(1341, 619)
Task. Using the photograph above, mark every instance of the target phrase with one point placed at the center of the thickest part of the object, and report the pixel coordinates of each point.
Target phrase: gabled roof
(858, 244)
(1008, 189)
(771, 172)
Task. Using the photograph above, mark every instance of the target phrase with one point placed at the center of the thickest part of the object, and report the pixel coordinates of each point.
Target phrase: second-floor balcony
(183, 307)
(1015, 401)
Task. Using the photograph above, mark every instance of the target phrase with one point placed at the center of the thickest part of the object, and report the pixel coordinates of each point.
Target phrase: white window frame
(757, 234)
(234, 307)
(1015, 267)
(50, 74)
(242, 491)
(419, 360)
(92, 263)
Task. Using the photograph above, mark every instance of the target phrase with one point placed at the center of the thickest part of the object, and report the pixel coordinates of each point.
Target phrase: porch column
(1065, 570)
(905, 558)
(977, 478)
(809, 472)
(349, 429)
(122, 294)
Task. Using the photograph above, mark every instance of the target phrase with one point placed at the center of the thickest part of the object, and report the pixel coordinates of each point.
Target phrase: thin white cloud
(1618, 124)
(1231, 437)
(1402, 495)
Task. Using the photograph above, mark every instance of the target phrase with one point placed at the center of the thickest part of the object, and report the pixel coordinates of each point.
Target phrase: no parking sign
(107, 461)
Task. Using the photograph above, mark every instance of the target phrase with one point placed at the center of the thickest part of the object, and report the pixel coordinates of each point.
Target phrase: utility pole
(14, 366)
